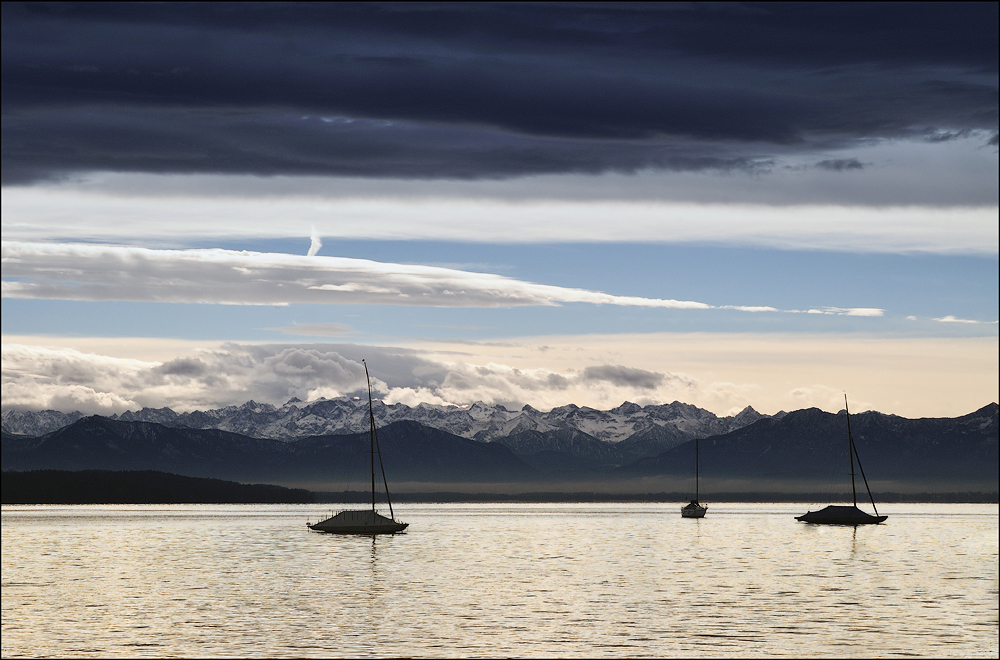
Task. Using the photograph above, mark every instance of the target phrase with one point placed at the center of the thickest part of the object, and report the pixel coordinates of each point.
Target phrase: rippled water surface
(488, 580)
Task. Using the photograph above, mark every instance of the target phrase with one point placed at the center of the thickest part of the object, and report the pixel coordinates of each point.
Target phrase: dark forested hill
(142, 487)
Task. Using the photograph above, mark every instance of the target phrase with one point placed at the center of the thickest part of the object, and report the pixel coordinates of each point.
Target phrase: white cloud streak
(38, 213)
(952, 319)
(846, 311)
(102, 272)
(115, 273)
(317, 329)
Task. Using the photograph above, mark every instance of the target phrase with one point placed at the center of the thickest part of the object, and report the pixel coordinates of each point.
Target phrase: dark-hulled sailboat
(846, 515)
(695, 509)
(364, 521)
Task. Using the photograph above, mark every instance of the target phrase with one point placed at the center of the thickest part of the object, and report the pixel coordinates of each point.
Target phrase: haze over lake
(489, 580)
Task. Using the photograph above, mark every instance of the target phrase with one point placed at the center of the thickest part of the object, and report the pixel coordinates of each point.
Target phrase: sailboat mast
(850, 447)
(374, 447)
(381, 466)
(371, 431)
(696, 469)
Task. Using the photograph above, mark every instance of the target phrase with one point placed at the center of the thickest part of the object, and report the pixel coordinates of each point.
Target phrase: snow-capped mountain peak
(665, 424)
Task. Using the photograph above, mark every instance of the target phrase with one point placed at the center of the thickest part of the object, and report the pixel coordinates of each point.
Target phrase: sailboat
(694, 509)
(364, 521)
(846, 515)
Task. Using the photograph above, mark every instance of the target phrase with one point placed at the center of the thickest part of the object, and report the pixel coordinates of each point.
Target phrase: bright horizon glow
(721, 372)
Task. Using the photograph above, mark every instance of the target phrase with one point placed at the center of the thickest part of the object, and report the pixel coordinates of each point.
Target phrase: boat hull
(840, 515)
(693, 510)
(365, 522)
(369, 530)
(698, 513)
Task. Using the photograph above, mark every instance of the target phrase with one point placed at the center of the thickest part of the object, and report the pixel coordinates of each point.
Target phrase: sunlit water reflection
(488, 580)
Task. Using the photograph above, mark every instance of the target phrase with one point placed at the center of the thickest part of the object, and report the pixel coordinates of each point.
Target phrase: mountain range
(637, 430)
(410, 451)
(804, 449)
(812, 444)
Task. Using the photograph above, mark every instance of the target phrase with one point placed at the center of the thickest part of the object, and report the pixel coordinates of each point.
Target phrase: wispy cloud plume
(314, 243)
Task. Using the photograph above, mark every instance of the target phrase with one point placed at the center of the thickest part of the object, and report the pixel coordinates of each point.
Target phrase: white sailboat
(695, 509)
(365, 521)
(846, 515)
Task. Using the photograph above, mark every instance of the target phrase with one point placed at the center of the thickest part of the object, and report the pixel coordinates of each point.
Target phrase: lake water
(490, 580)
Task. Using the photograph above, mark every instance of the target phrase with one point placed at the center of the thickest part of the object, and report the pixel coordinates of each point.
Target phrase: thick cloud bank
(37, 378)
(477, 90)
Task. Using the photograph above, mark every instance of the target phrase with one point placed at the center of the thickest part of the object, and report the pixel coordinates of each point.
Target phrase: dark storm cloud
(840, 164)
(623, 376)
(949, 136)
(183, 367)
(43, 142)
(477, 90)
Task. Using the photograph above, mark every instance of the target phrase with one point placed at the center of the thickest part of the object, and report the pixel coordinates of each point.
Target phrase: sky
(726, 205)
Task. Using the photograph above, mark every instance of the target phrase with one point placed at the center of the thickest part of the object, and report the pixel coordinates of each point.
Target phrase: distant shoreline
(152, 487)
(138, 487)
(357, 497)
